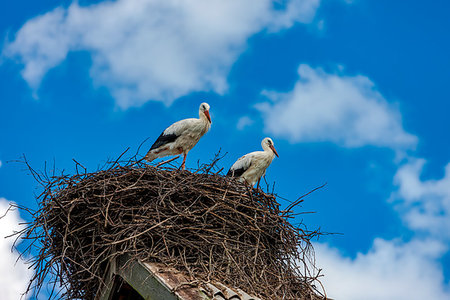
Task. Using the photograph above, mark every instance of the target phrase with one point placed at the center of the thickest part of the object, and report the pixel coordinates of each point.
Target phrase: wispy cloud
(328, 107)
(151, 49)
(14, 275)
(423, 204)
(243, 122)
(399, 269)
(390, 270)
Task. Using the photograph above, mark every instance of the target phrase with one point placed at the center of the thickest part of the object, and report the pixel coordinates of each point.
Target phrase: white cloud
(321, 25)
(346, 110)
(390, 270)
(295, 11)
(243, 122)
(423, 204)
(14, 275)
(152, 49)
(398, 269)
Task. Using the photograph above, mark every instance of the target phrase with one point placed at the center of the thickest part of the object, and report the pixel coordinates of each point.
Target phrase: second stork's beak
(207, 115)
(273, 149)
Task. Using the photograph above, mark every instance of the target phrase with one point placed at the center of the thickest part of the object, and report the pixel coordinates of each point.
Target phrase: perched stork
(180, 137)
(252, 166)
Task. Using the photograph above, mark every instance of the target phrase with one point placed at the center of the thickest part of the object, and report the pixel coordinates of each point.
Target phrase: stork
(252, 166)
(181, 136)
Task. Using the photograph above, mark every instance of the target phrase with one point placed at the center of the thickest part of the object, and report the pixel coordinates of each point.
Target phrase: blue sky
(353, 93)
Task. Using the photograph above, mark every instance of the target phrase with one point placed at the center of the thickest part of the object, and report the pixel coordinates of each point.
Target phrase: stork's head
(267, 144)
(204, 110)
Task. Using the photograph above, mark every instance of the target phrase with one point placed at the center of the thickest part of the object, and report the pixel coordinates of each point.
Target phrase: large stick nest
(209, 226)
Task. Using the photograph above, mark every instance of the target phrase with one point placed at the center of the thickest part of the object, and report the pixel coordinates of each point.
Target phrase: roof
(178, 282)
(158, 282)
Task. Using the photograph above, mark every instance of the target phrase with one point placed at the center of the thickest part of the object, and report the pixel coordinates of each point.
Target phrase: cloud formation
(424, 204)
(14, 276)
(244, 122)
(391, 270)
(397, 269)
(324, 107)
(152, 49)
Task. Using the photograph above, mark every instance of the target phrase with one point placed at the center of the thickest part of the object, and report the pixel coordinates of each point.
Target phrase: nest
(206, 225)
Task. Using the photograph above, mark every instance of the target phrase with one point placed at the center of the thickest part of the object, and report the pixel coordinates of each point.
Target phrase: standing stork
(252, 166)
(180, 137)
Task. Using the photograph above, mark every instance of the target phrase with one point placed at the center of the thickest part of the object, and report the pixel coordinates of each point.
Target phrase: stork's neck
(267, 149)
(202, 117)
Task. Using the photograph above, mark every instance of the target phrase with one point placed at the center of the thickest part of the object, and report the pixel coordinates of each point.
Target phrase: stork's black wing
(164, 139)
(240, 166)
(236, 172)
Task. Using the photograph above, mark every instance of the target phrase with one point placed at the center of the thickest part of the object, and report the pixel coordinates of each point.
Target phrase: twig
(167, 161)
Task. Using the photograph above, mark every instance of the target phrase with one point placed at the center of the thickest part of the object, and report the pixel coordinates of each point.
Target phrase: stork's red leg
(184, 161)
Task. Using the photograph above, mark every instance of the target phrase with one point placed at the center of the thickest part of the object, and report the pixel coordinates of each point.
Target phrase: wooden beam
(142, 280)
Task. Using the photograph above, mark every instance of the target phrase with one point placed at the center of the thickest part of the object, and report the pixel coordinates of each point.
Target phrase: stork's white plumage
(181, 137)
(252, 166)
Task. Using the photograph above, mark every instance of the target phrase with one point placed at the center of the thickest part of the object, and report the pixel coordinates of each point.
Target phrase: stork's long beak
(273, 149)
(207, 115)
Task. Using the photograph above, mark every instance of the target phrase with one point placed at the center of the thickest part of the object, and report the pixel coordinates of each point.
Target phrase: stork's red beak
(273, 149)
(207, 115)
